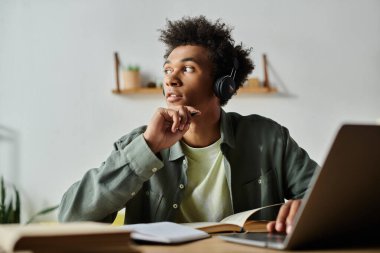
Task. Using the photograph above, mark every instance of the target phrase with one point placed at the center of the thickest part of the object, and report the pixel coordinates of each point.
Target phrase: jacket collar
(226, 129)
(175, 151)
(227, 135)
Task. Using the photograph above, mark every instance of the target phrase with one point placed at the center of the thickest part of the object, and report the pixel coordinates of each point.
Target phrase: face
(188, 77)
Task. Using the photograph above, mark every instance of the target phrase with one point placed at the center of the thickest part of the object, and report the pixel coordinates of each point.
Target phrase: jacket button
(181, 186)
(133, 193)
(154, 170)
(175, 206)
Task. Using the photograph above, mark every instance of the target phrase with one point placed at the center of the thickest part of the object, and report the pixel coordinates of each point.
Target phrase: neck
(204, 129)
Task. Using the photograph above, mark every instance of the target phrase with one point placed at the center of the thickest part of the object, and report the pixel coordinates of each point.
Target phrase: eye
(189, 69)
(168, 71)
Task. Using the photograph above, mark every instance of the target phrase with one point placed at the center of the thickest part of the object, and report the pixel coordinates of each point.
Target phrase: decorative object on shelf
(266, 83)
(252, 85)
(117, 64)
(253, 82)
(131, 77)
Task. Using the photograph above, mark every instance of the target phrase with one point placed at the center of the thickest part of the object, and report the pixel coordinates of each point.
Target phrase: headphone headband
(236, 63)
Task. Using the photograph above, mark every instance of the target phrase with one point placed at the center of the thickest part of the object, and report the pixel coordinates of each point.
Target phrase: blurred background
(59, 118)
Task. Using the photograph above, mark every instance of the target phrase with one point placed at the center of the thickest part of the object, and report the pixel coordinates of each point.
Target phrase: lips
(173, 97)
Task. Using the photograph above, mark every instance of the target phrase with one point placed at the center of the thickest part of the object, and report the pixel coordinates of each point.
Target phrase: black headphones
(225, 86)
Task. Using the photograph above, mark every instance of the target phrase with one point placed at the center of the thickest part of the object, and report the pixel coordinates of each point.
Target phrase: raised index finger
(193, 111)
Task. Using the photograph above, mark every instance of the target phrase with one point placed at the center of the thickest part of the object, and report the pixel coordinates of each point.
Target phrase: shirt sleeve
(298, 168)
(103, 191)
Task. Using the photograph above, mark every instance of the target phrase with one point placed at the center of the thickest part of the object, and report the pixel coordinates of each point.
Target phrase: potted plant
(10, 205)
(131, 76)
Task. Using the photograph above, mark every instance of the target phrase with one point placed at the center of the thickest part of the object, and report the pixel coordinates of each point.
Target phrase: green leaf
(18, 207)
(2, 192)
(44, 211)
(9, 214)
(2, 203)
(1, 215)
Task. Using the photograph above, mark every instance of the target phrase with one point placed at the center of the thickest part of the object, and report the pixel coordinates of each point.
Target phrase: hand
(285, 217)
(167, 126)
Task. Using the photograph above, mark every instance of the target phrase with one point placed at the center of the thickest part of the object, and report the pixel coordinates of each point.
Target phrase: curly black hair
(216, 37)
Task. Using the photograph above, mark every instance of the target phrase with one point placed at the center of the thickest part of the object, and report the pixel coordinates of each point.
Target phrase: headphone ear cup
(224, 87)
(217, 86)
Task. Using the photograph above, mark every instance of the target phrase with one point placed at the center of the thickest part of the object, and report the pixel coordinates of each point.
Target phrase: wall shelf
(258, 87)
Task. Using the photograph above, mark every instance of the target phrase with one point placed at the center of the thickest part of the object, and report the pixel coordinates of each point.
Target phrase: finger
(174, 115)
(187, 127)
(188, 121)
(175, 118)
(184, 117)
(193, 111)
(292, 213)
(281, 217)
(271, 227)
(189, 115)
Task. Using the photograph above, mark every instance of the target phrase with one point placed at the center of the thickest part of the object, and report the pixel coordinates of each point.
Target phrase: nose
(173, 80)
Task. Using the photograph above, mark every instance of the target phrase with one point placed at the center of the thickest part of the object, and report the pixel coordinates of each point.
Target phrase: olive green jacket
(263, 164)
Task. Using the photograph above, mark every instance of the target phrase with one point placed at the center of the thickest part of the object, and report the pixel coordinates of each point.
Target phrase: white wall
(58, 116)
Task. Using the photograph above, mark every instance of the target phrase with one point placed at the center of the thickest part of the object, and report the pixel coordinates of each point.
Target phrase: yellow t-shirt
(206, 196)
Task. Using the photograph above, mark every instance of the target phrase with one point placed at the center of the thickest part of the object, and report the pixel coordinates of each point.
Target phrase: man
(195, 162)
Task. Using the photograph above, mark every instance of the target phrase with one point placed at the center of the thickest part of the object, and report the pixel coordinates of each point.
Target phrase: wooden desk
(216, 245)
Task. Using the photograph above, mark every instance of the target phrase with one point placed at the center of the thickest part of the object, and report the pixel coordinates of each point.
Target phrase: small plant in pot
(10, 206)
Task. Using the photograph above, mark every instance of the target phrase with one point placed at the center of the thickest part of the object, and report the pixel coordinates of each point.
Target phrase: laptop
(342, 204)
